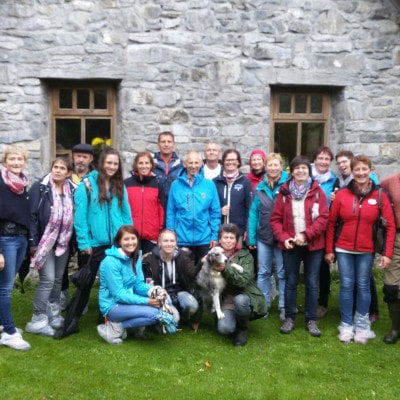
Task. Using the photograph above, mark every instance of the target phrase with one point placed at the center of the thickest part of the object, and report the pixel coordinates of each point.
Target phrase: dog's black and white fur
(212, 282)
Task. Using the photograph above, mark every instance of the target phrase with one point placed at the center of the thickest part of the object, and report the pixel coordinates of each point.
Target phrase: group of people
(147, 236)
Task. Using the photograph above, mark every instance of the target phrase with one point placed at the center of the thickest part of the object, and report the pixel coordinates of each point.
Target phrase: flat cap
(83, 148)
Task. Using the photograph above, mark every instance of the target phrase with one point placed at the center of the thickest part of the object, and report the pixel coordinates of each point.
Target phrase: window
(300, 119)
(81, 113)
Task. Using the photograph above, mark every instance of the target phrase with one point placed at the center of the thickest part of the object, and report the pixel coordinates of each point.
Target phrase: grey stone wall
(204, 68)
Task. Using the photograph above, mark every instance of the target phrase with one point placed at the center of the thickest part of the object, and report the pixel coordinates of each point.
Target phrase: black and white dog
(212, 282)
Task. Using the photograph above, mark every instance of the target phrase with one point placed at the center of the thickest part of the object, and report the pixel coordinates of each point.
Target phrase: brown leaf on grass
(207, 364)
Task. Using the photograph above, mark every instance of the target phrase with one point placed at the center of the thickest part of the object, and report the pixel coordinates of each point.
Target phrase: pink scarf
(59, 227)
(230, 178)
(16, 183)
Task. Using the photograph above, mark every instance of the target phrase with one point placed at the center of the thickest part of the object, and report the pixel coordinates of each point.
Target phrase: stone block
(229, 72)
(166, 99)
(10, 43)
(199, 20)
(152, 11)
(151, 53)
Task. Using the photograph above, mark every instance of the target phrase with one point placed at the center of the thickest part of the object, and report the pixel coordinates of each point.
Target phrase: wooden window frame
(299, 118)
(81, 114)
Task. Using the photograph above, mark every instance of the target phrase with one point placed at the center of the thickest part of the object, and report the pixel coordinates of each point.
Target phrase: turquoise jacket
(193, 212)
(119, 284)
(260, 211)
(97, 224)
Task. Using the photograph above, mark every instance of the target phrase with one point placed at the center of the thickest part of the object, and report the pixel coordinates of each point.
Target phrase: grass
(202, 365)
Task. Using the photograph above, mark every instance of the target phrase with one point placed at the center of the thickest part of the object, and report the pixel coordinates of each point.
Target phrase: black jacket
(14, 207)
(41, 201)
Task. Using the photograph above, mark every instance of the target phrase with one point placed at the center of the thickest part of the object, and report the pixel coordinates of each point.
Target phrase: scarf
(230, 178)
(361, 192)
(16, 183)
(320, 178)
(298, 191)
(59, 228)
(255, 178)
(343, 182)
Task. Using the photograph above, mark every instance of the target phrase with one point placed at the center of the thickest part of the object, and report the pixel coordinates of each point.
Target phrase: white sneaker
(109, 334)
(53, 312)
(14, 341)
(39, 325)
(362, 336)
(346, 333)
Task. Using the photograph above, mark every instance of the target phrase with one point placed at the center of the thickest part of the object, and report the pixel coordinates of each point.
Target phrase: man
(322, 173)
(82, 156)
(212, 154)
(193, 210)
(167, 163)
(391, 287)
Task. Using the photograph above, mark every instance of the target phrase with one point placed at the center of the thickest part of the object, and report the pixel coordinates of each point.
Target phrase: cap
(83, 148)
(258, 152)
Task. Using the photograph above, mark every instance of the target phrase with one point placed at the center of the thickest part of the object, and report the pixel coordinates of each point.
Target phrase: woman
(298, 222)
(14, 225)
(124, 298)
(173, 270)
(260, 235)
(241, 299)
(257, 168)
(353, 214)
(234, 191)
(146, 200)
(101, 208)
(50, 231)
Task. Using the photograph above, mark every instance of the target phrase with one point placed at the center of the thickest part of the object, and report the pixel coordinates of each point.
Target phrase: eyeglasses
(231, 160)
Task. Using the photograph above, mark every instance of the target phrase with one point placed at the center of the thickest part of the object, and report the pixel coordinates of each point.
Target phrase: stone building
(277, 74)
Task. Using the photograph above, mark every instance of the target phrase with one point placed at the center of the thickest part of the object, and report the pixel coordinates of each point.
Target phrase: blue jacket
(239, 198)
(329, 186)
(40, 203)
(119, 283)
(193, 212)
(97, 224)
(261, 210)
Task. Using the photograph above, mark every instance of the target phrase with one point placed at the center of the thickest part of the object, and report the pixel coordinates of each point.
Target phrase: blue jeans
(242, 310)
(133, 315)
(186, 304)
(265, 258)
(312, 262)
(354, 269)
(13, 249)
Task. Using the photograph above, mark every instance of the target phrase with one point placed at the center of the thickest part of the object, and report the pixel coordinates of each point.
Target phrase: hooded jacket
(358, 216)
(41, 202)
(120, 283)
(146, 199)
(259, 227)
(238, 196)
(183, 275)
(96, 224)
(193, 212)
(174, 168)
(316, 217)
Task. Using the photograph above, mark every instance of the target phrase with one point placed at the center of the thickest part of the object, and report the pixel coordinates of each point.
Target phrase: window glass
(68, 133)
(312, 137)
(65, 98)
(316, 103)
(83, 98)
(97, 129)
(300, 103)
(100, 99)
(285, 103)
(286, 140)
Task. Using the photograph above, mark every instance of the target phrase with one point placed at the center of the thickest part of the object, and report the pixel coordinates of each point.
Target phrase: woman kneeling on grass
(241, 299)
(124, 297)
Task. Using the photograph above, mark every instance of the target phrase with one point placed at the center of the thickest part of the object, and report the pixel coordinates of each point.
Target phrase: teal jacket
(193, 212)
(97, 224)
(119, 283)
(261, 210)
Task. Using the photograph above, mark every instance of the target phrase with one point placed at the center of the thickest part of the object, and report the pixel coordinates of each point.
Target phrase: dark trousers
(198, 252)
(146, 246)
(324, 284)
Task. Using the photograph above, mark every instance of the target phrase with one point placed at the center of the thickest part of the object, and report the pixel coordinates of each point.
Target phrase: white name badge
(372, 202)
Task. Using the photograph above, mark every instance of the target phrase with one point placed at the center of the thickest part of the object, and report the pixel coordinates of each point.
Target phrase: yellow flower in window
(97, 141)
(108, 142)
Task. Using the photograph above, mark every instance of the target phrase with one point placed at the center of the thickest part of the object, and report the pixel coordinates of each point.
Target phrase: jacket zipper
(358, 221)
(142, 210)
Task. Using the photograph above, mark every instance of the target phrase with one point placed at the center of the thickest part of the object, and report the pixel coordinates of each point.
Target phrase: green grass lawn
(203, 365)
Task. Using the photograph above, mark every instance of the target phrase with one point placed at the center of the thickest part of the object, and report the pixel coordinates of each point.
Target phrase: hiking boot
(240, 338)
(362, 336)
(313, 328)
(287, 326)
(282, 316)
(14, 341)
(39, 325)
(321, 312)
(53, 312)
(346, 333)
(110, 332)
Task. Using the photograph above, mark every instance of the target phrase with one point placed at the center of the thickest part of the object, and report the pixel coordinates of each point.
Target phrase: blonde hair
(274, 156)
(15, 149)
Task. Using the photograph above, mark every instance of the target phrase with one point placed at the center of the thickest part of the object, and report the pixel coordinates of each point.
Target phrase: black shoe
(392, 337)
(72, 328)
(240, 338)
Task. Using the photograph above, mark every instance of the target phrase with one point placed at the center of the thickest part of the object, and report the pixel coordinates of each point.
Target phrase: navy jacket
(239, 198)
(175, 166)
(41, 201)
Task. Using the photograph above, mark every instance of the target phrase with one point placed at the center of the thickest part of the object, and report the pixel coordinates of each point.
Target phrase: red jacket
(145, 198)
(358, 216)
(316, 215)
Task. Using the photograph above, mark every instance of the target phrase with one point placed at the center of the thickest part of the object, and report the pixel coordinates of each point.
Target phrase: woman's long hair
(116, 181)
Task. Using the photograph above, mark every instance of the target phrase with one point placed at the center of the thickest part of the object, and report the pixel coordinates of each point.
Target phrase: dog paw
(220, 315)
(238, 267)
